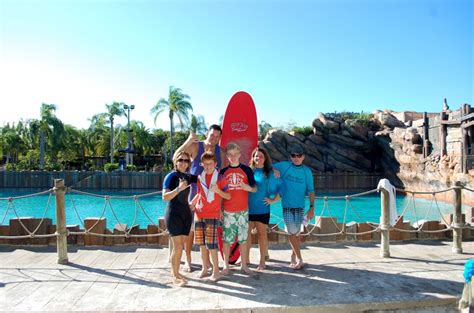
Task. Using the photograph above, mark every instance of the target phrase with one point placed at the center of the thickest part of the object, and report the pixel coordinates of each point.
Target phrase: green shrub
(109, 167)
(131, 168)
(305, 130)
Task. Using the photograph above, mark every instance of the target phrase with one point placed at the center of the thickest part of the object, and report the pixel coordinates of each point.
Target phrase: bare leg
(245, 258)
(205, 262)
(296, 247)
(252, 225)
(215, 265)
(263, 244)
(176, 253)
(226, 269)
(188, 246)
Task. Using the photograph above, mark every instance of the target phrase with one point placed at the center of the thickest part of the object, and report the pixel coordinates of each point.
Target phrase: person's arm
(168, 194)
(252, 184)
(192, 203)
(190, 146)
(223, 194)
(310, 212)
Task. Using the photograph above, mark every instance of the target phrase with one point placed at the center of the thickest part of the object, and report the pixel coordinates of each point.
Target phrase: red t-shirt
(209, 209)
(239, 197)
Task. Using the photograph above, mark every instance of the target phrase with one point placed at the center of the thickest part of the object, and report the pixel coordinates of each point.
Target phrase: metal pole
(128, 136)
(457, 218)
(385, 224)
(61, 230)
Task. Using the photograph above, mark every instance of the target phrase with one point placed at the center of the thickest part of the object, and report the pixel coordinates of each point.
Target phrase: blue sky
(296, 58)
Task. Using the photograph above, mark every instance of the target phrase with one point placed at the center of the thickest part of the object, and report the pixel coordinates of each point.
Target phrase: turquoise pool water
(367, 208)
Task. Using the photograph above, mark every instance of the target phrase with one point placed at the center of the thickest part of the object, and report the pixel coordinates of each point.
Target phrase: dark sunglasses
(183, 160)
(296, 155)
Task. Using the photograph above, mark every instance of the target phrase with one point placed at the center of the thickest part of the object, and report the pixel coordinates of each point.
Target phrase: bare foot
(177, 282)
(225, 272)
(215, 277)
(187, 267)
(245, 269)
(299, 265)
(293, 260)
(181, 276)
(203, 273)
(261, 267)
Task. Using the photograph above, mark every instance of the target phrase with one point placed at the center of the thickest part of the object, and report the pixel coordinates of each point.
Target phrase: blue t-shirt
(296, 183)
(267, 187)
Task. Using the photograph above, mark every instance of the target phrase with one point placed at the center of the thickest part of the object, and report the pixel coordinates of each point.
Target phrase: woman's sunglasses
(296, 155)
(183, 160)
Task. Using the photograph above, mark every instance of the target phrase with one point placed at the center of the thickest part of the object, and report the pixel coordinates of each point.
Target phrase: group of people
(203, 195)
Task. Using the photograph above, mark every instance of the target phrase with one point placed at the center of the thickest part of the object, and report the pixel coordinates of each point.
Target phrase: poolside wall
(324, 225)
(324, 182)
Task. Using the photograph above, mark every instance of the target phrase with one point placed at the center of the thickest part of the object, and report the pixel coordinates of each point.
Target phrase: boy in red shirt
(207, 204)
(240, 181)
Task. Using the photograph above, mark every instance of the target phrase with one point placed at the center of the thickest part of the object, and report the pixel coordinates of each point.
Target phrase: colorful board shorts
(205, 233)
(293, 218)
(236, 224)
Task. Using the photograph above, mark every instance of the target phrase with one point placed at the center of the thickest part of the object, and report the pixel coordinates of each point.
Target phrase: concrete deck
(420, 276)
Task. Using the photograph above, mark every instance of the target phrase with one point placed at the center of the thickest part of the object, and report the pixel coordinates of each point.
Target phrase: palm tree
(98, 134)
(177, 104)
(142, 138)
(197, 124)
(47, 121)
(114, 109)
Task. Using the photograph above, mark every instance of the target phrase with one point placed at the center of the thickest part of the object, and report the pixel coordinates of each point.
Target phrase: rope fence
(456, 225)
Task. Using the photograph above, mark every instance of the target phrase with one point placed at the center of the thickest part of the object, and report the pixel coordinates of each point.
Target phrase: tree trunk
(42, 143)
(111, 140)
(171, 136)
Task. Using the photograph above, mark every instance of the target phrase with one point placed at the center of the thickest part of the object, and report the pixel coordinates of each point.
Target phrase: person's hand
(183, 184)
(276, 173)
(310, 214)
(214, 188)
(245, 187)
(269, 201)
(192, 138)
(192, 206)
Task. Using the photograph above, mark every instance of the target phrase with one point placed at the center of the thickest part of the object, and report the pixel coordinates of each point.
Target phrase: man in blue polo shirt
(296, 183)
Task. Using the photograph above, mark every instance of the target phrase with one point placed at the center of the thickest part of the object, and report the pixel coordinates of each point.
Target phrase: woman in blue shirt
(259, 202)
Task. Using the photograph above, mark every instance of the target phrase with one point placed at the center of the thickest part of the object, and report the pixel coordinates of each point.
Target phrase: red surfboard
(241, 127)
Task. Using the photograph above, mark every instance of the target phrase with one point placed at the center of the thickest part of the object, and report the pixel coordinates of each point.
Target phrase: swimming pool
(149, 208)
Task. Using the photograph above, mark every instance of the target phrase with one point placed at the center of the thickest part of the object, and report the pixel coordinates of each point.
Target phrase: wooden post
(464, 111)
(385, 224)
(442, 133)
(457, 219)
(426, 136)
(61, 229)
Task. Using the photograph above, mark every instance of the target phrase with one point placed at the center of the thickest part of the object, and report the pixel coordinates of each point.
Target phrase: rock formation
(382, 144)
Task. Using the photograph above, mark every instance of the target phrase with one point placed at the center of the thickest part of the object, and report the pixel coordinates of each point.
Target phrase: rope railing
(384, 227)
(312, 228)
(30, 234)
(107, 204)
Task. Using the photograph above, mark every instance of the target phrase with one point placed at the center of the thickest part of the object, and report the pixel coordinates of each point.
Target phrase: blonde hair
(232, 146)
(176, 157)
